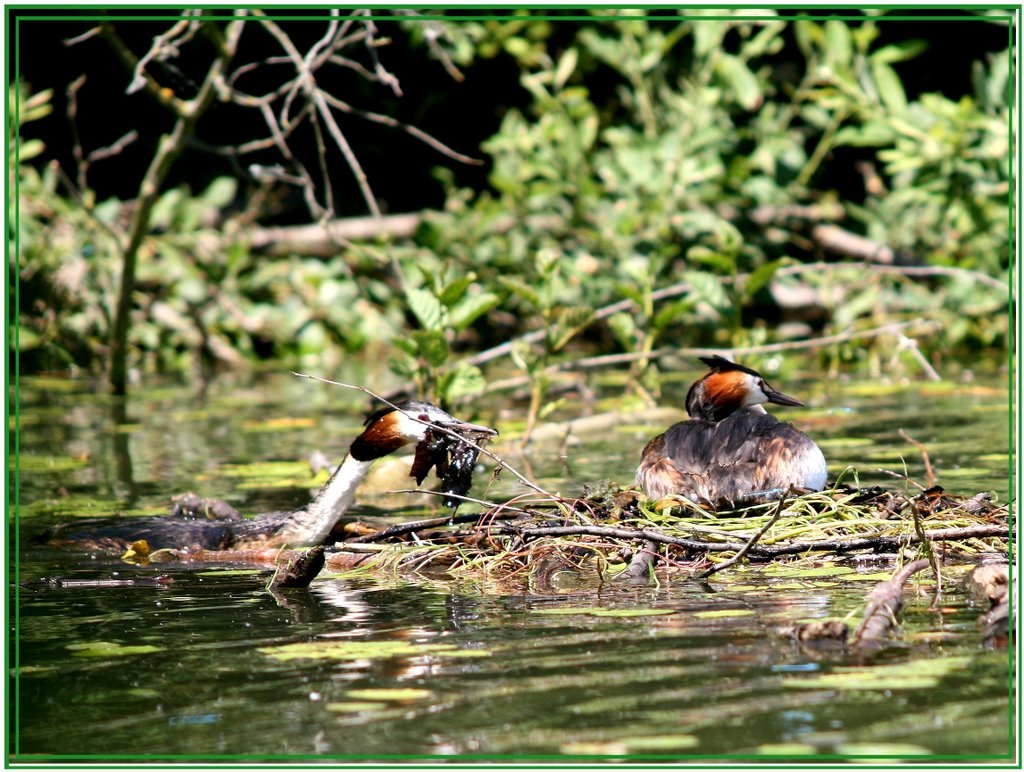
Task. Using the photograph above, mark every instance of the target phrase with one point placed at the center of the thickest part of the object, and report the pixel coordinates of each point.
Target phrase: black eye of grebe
(423, 417)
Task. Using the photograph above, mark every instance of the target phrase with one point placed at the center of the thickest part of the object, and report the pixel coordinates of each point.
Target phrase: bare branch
(81, 165)
(87, 35)
(165, 46)
(346, 150)
(412, 130)
(115, 148)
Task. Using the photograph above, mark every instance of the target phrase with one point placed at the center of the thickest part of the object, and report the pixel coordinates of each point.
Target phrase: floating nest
(613, 533)
(605, 528)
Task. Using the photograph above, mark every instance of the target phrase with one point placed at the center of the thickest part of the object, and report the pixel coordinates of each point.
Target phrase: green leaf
(900, 52)
(890, 89)
(470, 308)
(708, 287)
(455, 289)
(741, 81)
(670, 313)
(349, 650)
(405, 345)
(432, 346)
(760, 277)
(566, 67)
(220, 192)
(808, 36)
(570, 321)
(838, 44)
(426, 307)
(523, 356)
(710, 257)
(521, 289)
(724, 613)
(631, 292)
(464, 381)
(401, 368)
(28, 149)
(623, 327)
(707, 36)
(870, 134)
(605, 612)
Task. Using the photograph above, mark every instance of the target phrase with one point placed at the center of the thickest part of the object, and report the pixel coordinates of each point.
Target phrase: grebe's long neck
(311, 525)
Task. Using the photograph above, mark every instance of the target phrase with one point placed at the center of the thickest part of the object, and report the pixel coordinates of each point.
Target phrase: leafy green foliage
(683, 165)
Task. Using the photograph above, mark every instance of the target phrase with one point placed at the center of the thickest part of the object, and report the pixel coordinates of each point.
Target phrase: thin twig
(930, 477)
(90, 33)
(750, 543)
(899, 476)
(115, 148)
(909, 344)
(387, 120)
(418, 525)
(489, 505)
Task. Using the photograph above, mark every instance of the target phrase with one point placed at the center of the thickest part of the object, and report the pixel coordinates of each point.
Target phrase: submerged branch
(883, 607)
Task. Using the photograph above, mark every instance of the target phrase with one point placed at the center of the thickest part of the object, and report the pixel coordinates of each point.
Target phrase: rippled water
(203, 660)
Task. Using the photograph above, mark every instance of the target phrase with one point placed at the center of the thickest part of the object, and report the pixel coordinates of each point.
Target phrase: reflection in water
(122, 456)
(203, 663)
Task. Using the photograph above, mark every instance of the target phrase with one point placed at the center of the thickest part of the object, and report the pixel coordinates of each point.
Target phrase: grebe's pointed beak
(779, 398)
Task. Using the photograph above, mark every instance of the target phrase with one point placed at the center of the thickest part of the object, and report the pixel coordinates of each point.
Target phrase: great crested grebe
(386, 431)
(731, 452)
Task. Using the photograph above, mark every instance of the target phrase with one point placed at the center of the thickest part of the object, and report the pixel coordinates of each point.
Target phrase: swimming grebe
(731, 452)
(386, 431)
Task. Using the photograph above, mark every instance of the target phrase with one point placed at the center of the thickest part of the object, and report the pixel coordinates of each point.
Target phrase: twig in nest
(490, 505)
(899, 476)
(930, 477)
(418, 525)
(839, 546)
(752, 541)
(502, 464)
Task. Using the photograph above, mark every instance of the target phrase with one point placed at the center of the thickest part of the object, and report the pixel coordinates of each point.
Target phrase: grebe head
(730, 387)
(390, 428)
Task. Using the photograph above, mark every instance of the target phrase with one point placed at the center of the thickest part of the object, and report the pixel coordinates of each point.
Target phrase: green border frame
(88, 761)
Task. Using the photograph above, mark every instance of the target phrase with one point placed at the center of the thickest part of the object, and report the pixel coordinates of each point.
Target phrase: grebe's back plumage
(731, 452)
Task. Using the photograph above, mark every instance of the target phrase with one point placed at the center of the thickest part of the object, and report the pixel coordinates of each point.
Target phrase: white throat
(313, 524)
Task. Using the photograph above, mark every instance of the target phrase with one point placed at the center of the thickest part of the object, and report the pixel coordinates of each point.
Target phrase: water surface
(202, 660)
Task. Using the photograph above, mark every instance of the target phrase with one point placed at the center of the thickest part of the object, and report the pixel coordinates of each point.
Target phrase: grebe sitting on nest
(731, 452)
(386, 431)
